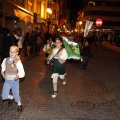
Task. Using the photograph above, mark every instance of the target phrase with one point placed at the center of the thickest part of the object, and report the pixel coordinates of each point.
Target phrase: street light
(49, 11)
(80, 23)
(99, 23)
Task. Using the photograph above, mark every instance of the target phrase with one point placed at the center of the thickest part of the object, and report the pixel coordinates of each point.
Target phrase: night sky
(75, 6)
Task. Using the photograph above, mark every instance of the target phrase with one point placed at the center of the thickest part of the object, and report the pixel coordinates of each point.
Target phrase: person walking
(38, 42)
(58, 56)
(26, 44)
(19, 37)
(12, 70)
(46, 48)
(32, 42)
(85, 54)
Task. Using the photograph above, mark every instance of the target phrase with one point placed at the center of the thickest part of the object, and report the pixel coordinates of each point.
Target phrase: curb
(105, 44)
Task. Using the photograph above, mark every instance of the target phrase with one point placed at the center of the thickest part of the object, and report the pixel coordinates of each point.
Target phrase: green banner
(72, 48)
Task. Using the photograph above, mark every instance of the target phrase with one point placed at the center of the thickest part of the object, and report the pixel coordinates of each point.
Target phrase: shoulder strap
(59, 50)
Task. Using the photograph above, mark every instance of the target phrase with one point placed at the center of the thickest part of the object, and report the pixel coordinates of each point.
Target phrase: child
(59, 56)
(12, 70)
(46, 48)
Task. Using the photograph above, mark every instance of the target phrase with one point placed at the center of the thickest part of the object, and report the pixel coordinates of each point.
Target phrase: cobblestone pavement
(88, 95)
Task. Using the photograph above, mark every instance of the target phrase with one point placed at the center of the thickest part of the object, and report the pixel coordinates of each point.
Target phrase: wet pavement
(88, 95)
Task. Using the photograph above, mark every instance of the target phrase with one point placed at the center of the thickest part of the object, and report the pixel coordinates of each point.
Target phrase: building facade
(64, 15)
(53, 18)
(107, 10)
(17, 14)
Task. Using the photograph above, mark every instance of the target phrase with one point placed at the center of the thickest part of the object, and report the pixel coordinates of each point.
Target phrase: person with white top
(11, 70)
(58, 57)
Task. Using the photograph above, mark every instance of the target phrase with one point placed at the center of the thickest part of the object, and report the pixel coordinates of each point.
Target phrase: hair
(15, 48)
(17, 57)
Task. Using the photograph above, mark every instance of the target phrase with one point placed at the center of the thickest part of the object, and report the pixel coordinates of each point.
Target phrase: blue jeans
(11, 85)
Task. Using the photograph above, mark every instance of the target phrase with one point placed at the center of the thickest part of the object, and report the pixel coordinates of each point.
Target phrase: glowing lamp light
(49, 10)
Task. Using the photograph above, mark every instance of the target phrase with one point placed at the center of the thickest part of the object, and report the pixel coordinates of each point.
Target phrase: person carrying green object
(72, 48)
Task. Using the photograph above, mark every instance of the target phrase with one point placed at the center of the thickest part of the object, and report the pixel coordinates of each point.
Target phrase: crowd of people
(11, 44)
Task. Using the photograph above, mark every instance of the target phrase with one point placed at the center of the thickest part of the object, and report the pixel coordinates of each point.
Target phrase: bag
(61, 61)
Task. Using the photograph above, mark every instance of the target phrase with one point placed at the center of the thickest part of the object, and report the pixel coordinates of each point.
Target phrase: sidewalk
(113, 47)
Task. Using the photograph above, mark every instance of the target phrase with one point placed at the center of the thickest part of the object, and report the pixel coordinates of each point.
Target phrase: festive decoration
(88, 26)
(72, 48)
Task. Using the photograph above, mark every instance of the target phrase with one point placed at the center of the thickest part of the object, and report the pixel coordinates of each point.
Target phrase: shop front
(17, 17)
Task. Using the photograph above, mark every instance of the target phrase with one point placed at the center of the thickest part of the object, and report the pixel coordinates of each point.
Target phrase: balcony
(105, 18)
(102, 8)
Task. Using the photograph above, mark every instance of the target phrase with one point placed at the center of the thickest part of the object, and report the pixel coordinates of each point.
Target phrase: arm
(3, 68)
(16, 37)
(21, 72)
(51, 55)
(44, 48)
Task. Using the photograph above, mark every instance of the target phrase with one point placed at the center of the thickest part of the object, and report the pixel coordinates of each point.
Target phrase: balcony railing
(102, 8)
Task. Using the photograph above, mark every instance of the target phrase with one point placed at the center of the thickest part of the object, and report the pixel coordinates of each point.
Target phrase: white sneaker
(54, 94)
(64, 82)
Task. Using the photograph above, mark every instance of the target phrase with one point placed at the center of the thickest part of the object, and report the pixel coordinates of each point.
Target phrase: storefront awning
(10, 16)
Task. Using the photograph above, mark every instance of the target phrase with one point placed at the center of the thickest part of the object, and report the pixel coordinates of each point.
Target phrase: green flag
(72, 48)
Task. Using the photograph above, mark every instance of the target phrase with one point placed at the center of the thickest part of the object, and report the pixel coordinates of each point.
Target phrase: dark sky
(75, 6)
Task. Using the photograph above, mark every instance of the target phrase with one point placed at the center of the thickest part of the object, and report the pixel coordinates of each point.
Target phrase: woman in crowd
(46, 48)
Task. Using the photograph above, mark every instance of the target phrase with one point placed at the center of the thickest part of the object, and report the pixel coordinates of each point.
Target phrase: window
(51, 0)
(54, 15)
(20, 2)
(30, 5)
(39, 7)
(44, 9)
(91, 3)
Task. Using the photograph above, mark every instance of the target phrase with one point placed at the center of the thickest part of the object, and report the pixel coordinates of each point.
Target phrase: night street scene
(60, 59)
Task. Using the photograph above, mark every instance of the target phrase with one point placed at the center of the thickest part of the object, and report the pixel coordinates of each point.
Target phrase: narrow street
(88, 95)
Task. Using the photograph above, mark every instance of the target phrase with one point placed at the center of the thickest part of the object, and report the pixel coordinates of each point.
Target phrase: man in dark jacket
(85, 54)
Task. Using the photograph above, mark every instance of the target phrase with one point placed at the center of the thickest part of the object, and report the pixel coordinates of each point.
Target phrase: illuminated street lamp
(49, 11)
(80, 23)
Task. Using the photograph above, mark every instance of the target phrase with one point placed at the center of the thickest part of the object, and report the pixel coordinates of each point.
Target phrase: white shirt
(21, 72)
(20, 41)
(46, 48)
(63, 56)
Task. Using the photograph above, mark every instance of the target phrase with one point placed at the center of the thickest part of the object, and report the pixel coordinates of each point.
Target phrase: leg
(5, 93)
(62, 77)
(15, 91)
(5, 90)
(55, 78)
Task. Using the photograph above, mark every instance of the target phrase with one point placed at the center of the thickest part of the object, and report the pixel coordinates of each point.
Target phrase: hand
(81, 60)
(48, 62)
(16, 78)
(3, 75)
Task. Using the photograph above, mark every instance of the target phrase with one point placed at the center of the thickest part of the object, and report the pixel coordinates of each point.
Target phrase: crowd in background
(32, 41)
(29, 43)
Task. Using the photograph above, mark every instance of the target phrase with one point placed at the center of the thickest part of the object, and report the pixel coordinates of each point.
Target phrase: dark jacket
(86, 51)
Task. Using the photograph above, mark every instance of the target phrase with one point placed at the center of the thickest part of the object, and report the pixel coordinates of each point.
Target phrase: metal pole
(98, 43)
